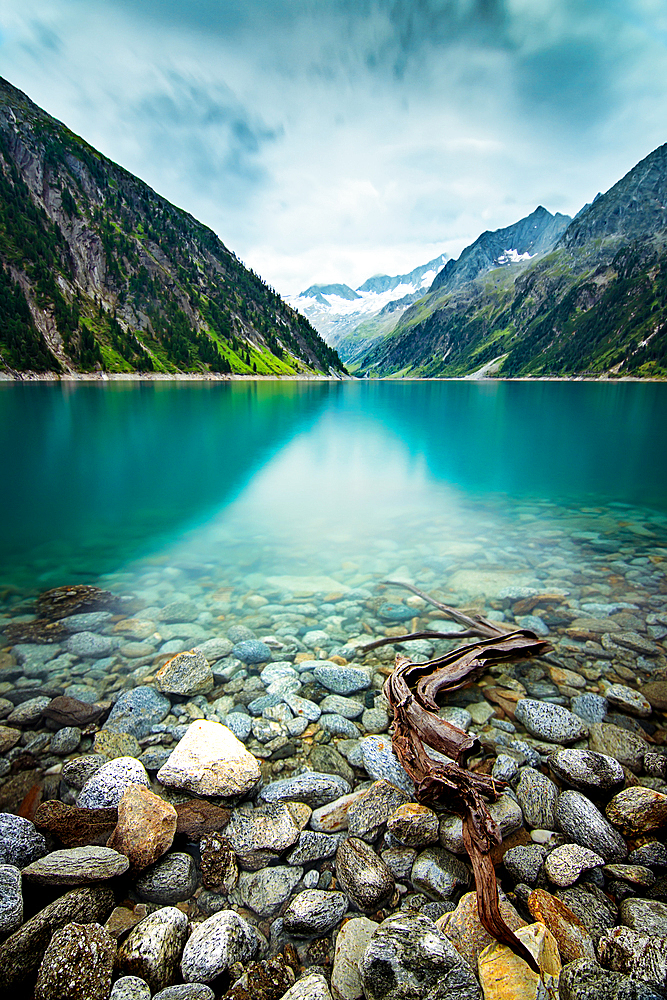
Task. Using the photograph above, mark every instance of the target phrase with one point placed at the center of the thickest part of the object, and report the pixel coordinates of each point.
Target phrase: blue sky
(328, 140)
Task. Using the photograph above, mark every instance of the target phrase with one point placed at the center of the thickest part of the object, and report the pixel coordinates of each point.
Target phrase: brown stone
(219, 870)
(122, 920)
(638, 810)
(656, 692)
(78, 963)
(21, 953)
(8, 738)
(197, 817)
(146, 826)
(572, 938)
(16, 787)
(267, 980)
(463, 928)
(66, 711)
(74, 826)
(505, 976)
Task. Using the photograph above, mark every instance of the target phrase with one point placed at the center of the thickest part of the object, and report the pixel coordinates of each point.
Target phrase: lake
(282, 506)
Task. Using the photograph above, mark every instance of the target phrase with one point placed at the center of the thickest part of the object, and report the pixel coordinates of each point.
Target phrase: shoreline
(224, 377)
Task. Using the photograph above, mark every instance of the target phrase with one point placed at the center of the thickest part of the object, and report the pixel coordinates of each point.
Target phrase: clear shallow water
(289, 478)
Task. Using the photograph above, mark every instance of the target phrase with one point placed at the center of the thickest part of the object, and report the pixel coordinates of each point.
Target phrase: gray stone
(312, 846)
(77, 866)
(414, 825)
(75, 773)
(251, 651)
(362, 875)
(349, 708)
(375, 720)
(381, 762)
(153, 948)
(552, 723)
(587, 769)
(638, 955)
(240, 633)
(590, 707)
(137, 711)
(524, 863)
(408, 958)
(11, 899)
(324, 758)
(106, 786)
(585, 825)
(215, 649)
(302, 707)
(565, 864)
(537, 797)
(217, 943)
(399, 861)
(186, 991)
(259, 836)
(625, 747)
(584, 979)
(89, 645)
(170, 880)
(311, 787)
(595, 910)
(505, 767)
(28, 712)
(265, 891)
(209, 760)
(178, 611)
(506, 811)
(65, 741)
(77, 965)
(648, 916)
(89, 621)
(459, 717)
(351, 943)
(314, 912)
(342, 680)
(653, 854)
(439, 874)
(20, 843)
(130, 988)
(333, 817)
(312, 987)
(239, 724)
(533, 623)
(337, 725)
(188, 673)
(628, 700)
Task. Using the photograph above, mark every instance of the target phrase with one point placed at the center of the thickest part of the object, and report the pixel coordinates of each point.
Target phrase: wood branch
(412, 690)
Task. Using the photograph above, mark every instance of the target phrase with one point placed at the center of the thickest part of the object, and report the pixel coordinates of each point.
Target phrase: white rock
(209, 760)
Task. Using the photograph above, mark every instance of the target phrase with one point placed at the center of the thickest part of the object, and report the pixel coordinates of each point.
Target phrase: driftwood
(412, 691)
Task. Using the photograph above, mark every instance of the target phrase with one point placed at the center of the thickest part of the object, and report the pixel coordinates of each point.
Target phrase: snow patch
(514, 257)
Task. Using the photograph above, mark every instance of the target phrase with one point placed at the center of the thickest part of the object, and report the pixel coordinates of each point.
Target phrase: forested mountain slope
(596, 304)
(98, 272)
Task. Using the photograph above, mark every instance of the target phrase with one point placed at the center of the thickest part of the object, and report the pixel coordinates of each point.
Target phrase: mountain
(98, 272)
(351, 320)
(536, 234)
(593, 304)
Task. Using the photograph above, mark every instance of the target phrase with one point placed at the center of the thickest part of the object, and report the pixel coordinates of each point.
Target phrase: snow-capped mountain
(350, 319)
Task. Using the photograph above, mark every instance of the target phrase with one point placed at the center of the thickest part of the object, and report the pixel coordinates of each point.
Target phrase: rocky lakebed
(199, 798)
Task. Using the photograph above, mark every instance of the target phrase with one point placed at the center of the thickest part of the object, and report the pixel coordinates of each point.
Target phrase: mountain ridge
(99, 272)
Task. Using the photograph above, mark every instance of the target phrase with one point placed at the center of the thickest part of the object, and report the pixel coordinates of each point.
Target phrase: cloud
(327, 141)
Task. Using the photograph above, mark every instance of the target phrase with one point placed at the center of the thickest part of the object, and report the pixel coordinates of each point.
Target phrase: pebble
(153, 948)
(590, 707)
(565, 864)
(259, 836)
(76, 866)
(587, 769)
(638, 810)
(571, 936)
(334, 816)
(170, 880)
(408, 958)
(312, 846)
(628, 700)
(20, 843)
(186, 991)
(302, 707)
(337, 725)
(28, 712)
(552, 723)
(641, 956)
(312, 987)
(106, 786)
(414, 825)
(251, 651)
(349, 708)
(130, 988)
(77, 965)
(314, 912)
(505, 767)
(216, 944)
(11, 899)
(342, 680)
(312, 787)
(503, 974)
(65, 741)
(584, 979)
(266, 890)
(625, 747)
(362, 874)
(112, 745)
(9, 737)
(137, 711)
(351, 943)
(188, 673)
(146, 826)
(373, 808)
(585, 825)
(524, 863)
(591, 906)
(75, 773)
(89, 645)
(537, 796)
(215, 649)
(375, 720)
(439, 873)
(210, 760)
(380, 762)
(464, 929)
(648, 916)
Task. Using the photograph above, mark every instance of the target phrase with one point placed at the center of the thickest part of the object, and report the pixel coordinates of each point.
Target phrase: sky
(330, 140)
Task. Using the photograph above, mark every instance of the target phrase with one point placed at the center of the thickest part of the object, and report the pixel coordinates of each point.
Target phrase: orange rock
(146, 827)
(572, 938)
(505, 976)
(463, 928)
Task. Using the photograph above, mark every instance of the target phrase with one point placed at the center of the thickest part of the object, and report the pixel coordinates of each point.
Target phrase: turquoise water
(103, 480)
